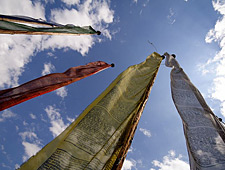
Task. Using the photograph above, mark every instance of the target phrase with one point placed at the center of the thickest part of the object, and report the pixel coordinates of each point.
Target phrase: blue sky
(192, 29)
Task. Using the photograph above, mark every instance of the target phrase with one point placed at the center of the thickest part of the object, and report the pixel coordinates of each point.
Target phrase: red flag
(48, 83)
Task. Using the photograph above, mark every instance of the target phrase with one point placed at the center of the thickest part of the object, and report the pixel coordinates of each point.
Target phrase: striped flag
(17, 25)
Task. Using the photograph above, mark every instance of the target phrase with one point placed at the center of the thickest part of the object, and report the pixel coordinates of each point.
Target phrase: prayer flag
(100, 137)
(48, 83)
(204, 133)
(13, 25)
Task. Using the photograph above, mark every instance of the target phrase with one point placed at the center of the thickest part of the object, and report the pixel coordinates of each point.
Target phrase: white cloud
(78, 43)
(217, 33)
(23, 7)
(5, 166)
(3, 150)
(6, 115)
(16, 50)
(219, 91)
(17, 128)
(31, 144)
(25, 123)
(28, 135)
(49, 1)
(7, 156)
(171, 16)
(62, 92)
(51, 54)
(130, 149)
(70, 119)
(71, 2)
(135, 1)
(32, 116)
(146, 3)
(94, 13)
(170, 162)
(145, 132)
(104, 13)
(57, 124)
(30, 149)
(128, 164)
(216, 64)
(17, 166)
(222, 109)
(48, 68)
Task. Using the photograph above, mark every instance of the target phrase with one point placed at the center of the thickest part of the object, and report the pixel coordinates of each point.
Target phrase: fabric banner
(26, 19)
(48, 83)
(13, 25)
(100, 137)
(204, 133)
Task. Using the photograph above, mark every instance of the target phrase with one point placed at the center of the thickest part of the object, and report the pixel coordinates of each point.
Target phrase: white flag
(204, 133)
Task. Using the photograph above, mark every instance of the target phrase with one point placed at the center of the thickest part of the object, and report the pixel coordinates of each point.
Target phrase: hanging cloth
(13, 25)
(48, 83)
(204, 133)
(100, 137)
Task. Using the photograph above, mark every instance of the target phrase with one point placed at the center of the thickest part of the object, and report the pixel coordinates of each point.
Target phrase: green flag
(15, 25)
(100, 137)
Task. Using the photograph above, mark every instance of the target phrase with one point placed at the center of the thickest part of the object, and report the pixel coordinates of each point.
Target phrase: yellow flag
(100, 137)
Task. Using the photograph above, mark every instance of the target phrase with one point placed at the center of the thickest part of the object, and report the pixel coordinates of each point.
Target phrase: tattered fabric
(204, 133)
(48, 83)
(13, 25)
(100, 137)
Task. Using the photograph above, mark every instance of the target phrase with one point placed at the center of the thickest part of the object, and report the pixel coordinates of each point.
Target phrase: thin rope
(153, 46)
